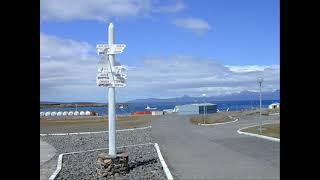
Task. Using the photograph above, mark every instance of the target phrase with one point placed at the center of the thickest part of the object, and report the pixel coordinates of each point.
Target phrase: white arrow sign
(110, 49)
(109, 83)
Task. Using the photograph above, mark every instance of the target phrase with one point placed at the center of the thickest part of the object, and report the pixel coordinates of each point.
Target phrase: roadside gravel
(143, 164)
(143, 159)
(72, 143)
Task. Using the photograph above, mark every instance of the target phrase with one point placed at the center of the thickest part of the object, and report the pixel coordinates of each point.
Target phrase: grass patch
(214, 118)
(272, 111)
(96, 123)
(271, 130)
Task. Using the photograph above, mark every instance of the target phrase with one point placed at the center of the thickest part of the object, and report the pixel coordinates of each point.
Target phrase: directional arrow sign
(110, 49)
(108, 83)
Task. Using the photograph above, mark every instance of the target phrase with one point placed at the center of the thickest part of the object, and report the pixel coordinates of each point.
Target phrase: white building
(76, 113)
(155, 113)
(195, 108)
(167, 111)
(82, 113)
(88, 113)
(274, 106)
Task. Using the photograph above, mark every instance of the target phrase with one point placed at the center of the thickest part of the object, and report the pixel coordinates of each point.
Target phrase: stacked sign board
(110, 76)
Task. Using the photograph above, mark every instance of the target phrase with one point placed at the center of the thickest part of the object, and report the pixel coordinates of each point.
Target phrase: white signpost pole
(112, 100)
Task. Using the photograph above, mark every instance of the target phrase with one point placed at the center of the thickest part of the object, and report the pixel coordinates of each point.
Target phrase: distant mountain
(244, 95)
(51, 102)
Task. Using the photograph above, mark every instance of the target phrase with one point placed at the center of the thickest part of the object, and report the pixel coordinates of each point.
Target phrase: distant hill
(51, 102)
(244, 95)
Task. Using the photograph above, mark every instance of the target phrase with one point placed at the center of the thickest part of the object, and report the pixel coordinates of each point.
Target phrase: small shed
(274, 106)
(59, 113)
(156, 113)
(70, 113)
(65, 113)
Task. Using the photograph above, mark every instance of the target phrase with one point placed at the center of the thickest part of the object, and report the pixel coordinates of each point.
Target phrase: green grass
(213, 118)
(123, 122)
(271, 130)
(272, 111)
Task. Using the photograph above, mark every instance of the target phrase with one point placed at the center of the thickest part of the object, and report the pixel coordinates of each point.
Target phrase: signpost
(111, 76)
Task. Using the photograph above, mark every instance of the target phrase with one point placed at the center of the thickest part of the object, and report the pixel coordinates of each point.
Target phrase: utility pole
(260, 80)
(204, 109)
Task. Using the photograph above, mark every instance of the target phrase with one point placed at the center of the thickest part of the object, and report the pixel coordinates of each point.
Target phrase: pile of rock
(113, 166)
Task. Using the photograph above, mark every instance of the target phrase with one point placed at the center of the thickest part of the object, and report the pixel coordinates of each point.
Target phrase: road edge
(239, 131)
(95, 132)
(236, 119)
(163, 163)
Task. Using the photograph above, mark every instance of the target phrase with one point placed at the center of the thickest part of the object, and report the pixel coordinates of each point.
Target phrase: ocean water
(221, 105)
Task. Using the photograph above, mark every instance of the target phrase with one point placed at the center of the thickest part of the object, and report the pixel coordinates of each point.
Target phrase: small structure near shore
(156, 113)
(274, 106)
(70, 113)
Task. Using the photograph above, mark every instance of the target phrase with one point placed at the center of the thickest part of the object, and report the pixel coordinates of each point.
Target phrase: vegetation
(44, 106)
(214, 118)
(95, 123)
(271, 130)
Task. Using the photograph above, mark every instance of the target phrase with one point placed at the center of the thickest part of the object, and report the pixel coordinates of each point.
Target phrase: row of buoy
(66, 113)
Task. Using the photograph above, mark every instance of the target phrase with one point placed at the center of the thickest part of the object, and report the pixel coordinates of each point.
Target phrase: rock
(103, 156)
(105, 174)
(116, 175)
(108, 168)
(107, 161)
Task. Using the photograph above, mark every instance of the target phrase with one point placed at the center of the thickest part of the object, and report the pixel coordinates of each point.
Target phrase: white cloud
(176, 76)
(68, 69)
(196, 25)
(171, 8)
(102, 10)
(250, 68)
(66, 63)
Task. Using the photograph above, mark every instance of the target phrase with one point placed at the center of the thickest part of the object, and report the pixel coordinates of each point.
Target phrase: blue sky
(234, 41)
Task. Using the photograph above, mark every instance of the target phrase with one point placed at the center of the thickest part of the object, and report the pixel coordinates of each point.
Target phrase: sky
(173, 47)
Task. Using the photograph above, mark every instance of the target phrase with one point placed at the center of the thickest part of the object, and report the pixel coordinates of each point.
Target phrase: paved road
(216, 152)
(48, 160)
